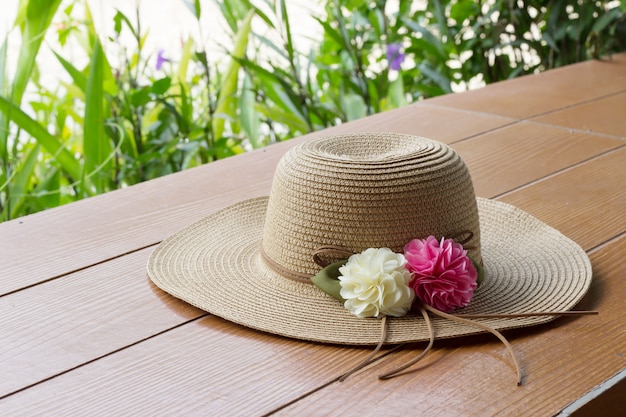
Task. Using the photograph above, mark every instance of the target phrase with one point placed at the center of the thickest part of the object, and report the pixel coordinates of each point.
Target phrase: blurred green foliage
(116, 125)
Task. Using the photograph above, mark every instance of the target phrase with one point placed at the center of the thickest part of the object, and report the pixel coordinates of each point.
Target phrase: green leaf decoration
(481, 273)
(327, 280)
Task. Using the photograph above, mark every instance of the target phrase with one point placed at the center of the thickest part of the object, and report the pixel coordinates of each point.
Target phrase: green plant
(114, 126)
(119, 120)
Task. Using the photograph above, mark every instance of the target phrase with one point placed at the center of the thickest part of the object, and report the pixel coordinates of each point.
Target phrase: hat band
(279, 269)
(325, 255)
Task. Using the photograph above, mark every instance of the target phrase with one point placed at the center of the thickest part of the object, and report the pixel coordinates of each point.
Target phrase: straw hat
(251, 263)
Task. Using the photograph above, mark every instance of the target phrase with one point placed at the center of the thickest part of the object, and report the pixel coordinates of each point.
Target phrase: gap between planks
(528, 118)
(82, 268)
(102, 356)
(560, 171)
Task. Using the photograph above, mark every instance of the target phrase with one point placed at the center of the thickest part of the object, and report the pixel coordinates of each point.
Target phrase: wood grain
(109, 307)
(586, 203)
(605, 116)
(518, 154)
(208, 367)
(74, 322)
(212, 367)
(537, 94)
(423, 119)
(58, 241)
(67, 322)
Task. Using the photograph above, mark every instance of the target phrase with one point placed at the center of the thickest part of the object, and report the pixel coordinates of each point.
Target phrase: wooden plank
(32, 356)
(591, 193)
(542, 93)
(67, 322)
(113, 305)
(421, 119)
(55, 327)
(54, 242)
(212, 367)
(207, 367)
(606, 116)
(518, 154)
(474, 377)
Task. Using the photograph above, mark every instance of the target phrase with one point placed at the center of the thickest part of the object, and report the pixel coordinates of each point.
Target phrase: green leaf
(160, 87)
(20, 17)
(227, 96)
(42, 136)
(270, 43)
(194, 7)
(279, 115)
(440, 79)
(234, 11)
(276, 86)
(377, 19)
(47, 193)
(117, 22)
(34, 17)
(354, 106)
(4, 88)
(396, 93)
(186, 108)
(330, 31)
(436, 46)
(39, 15)
(263, 16)
(96, 145)
(289, 44)
(140, 97)
(327, 280)
(605, 19)
(4, 92)
(550, 41)
(20, 181)
(120, 18)
(78, 77)
(249, 115)
(481, 272)
(464, 9)
(180, 84)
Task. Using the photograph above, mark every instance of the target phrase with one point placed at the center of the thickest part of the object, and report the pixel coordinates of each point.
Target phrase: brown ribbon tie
(326, 255)
(465, 319)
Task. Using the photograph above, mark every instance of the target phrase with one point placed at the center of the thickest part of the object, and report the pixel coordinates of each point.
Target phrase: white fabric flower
(375, 282)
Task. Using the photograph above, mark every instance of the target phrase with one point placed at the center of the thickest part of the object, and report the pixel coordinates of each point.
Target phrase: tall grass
(17, 168)
(114, 125)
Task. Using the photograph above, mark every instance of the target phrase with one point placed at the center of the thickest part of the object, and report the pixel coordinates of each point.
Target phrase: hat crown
(362, 191)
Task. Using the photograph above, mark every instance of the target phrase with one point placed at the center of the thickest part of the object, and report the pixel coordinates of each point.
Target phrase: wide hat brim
(215, 264)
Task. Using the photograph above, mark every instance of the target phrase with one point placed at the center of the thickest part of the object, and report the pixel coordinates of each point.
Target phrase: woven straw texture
(360, 192)
(216, 263)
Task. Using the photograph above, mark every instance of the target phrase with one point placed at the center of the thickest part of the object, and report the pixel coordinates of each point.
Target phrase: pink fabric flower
(443, 276)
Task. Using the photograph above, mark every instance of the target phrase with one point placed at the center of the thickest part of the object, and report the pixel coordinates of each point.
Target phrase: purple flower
(395, 56)
(161, 59)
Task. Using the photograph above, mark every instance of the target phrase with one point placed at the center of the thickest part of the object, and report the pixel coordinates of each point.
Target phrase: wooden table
(84, 332)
